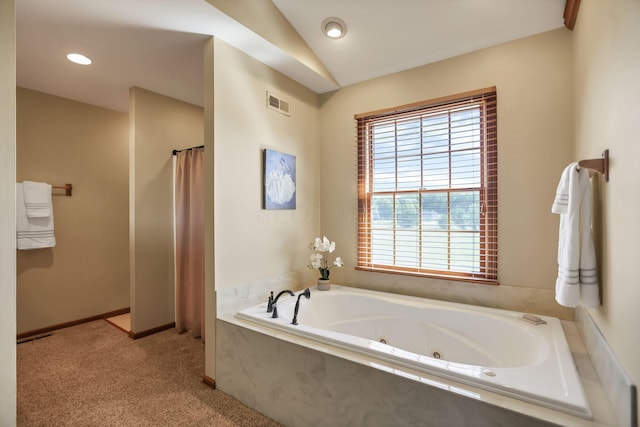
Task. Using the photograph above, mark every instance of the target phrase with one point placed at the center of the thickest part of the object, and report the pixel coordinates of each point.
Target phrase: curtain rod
(186, 149)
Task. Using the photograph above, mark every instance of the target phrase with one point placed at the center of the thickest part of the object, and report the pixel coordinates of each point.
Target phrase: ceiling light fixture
(334, 28)
(78, 58)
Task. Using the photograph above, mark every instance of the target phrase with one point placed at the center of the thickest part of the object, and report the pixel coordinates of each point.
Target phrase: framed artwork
(279, 180)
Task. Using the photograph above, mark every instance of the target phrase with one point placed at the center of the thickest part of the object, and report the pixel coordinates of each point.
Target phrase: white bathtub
(488, 348)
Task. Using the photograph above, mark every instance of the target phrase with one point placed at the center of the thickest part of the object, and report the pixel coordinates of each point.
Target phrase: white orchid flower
(315, 260)
(319, 262)
(326, 244)
(320, 244)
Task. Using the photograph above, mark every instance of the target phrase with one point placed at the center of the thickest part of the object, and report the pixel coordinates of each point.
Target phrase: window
(427, 188)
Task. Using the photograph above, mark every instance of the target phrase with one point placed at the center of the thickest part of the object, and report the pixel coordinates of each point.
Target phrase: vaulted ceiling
(157, 44)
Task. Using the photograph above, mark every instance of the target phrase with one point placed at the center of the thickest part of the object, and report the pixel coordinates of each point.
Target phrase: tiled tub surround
(230, 300)
(618, 386)
(506, 297)
(302, 382)
(492, 349)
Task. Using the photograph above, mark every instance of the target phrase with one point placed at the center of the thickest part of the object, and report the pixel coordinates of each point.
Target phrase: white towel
(37, 199)
(577, 282)
(32, 233)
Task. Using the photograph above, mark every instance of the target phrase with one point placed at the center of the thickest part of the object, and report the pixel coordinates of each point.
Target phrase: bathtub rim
(468, 391)
(602, 410)
(559, 339)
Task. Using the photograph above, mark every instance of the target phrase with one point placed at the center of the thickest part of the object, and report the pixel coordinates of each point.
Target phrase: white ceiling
(157, 44)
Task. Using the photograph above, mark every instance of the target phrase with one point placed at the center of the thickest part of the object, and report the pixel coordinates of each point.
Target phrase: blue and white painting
(279, 180)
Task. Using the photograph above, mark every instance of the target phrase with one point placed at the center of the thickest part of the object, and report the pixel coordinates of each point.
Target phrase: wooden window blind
(427, 188)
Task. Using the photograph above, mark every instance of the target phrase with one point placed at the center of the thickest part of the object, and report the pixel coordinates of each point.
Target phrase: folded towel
(577, 282)
(37, 199)
(32, 233)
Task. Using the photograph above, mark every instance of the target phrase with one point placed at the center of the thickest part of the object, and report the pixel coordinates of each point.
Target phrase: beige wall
(607, 86)
(210, 303)
(62, 141)
(535, 133)
(251, 243)
(7, 213)
(157, 125)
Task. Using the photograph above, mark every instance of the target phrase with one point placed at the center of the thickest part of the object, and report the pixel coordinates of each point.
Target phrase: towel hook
(600, 165)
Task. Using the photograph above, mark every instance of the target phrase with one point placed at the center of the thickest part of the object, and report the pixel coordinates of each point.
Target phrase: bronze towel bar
(67, 188)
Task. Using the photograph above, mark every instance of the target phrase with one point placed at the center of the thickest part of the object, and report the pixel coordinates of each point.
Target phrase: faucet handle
(270, 303)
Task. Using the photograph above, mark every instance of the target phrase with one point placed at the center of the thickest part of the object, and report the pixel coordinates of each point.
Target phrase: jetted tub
(492, 349)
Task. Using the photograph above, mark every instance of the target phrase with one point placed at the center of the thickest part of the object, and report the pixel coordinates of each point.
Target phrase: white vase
(324, 284)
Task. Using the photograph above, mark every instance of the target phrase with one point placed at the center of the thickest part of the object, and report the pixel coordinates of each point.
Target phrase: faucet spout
(286, 291)
(275, 300)
(306, 294)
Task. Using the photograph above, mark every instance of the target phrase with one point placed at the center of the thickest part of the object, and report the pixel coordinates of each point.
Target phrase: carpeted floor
(95, 375)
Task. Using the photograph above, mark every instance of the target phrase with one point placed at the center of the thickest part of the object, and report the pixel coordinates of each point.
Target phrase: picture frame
(279, 180)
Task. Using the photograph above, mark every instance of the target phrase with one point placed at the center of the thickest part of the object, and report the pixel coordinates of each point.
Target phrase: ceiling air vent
(277, 104)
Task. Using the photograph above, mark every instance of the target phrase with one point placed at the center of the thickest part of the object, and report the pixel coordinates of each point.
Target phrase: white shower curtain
(189, 208)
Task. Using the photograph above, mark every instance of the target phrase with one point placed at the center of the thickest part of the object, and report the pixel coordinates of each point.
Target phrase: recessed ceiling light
(78, 58)
(334, 28)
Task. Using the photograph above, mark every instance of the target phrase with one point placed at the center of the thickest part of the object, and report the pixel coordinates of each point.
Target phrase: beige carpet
(95, 375)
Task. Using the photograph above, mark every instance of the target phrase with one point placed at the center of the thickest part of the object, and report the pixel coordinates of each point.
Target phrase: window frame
(488, 190)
